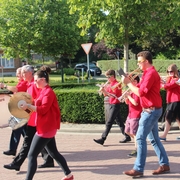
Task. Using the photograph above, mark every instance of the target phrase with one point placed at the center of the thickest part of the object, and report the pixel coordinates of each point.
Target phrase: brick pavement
(90, 161)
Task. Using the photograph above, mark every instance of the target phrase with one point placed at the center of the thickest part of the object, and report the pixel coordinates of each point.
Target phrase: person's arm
(133, 88)
(12, 88)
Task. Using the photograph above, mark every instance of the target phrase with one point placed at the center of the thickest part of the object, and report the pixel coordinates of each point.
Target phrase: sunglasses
(108, 77)
(169, 71)
(140, 61)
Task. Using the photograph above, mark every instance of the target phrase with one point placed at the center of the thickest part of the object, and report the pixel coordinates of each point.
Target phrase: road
(90, 161)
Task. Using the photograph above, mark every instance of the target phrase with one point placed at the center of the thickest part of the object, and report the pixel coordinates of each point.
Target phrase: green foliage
(160, 64)
(38, 26)
(124, 22)
(79, 106)
(84, 105)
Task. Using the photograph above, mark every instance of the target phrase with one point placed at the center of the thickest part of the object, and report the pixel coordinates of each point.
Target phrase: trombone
(131, 76)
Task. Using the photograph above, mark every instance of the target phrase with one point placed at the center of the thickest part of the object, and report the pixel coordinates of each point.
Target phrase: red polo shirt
(149, 89)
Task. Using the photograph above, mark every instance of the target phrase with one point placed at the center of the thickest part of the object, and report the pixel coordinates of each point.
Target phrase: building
(8, 66)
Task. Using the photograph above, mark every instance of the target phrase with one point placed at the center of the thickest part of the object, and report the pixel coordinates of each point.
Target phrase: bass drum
(16, 123)
(5, 114)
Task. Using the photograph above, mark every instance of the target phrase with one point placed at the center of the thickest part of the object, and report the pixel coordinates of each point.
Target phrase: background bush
(160, 65)
(86, 106)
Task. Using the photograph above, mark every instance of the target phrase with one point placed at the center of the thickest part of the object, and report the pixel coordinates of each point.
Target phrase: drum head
(20, 124)
(5, 114)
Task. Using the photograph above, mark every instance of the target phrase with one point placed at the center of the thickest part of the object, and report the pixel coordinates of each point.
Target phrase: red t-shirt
(149, 89)
(134, 111)
(173, 90)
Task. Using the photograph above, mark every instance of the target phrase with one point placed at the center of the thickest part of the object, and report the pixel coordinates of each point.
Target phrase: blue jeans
(148, 128)
(15, 137)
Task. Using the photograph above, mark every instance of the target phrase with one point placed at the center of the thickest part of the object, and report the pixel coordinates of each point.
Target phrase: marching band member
(16, 134)
(47, 123)
(148, 91)
(172, 111)
(132, 121)
(27, 73)
(114, 108)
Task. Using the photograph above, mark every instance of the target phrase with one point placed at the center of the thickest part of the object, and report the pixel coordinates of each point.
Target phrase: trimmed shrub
(86, 106)
(160, 65)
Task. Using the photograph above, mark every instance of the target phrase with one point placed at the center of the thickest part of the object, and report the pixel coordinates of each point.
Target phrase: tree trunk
(126, 57)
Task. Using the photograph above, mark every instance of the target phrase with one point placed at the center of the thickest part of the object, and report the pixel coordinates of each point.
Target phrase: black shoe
(12, 167)
(125, 140)
(9, 153)
(46, 165)
(99, 141)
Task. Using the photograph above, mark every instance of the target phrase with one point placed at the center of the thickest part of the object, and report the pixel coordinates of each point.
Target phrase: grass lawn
(54, 80)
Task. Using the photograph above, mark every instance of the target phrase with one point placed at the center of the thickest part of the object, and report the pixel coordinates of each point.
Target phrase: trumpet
(101, 87)
(122, 97)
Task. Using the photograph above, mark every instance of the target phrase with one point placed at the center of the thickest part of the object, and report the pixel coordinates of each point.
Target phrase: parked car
(94, 70)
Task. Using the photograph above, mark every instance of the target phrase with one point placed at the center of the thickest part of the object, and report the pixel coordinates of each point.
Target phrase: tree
(44, 27)
(119, 20)
(101, 50)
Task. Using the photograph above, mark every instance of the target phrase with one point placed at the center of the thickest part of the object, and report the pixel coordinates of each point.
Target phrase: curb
(97, 128)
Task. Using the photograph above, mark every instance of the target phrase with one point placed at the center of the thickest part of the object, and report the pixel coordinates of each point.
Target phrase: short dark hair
(147, 55)
(110, 72)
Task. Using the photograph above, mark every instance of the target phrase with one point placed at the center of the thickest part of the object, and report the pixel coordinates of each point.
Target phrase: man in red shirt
(16, 134)
(148, 91)
(114, 109)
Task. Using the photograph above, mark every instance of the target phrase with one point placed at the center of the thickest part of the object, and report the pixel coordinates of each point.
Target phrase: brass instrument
(107, 93)
(131, 76)
(163, 79)
(101, 87)
(122, 97)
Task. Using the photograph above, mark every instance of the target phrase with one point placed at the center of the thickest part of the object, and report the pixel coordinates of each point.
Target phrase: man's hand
(125, 80)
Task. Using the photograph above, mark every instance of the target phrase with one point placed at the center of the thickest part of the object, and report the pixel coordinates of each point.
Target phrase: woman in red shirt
(47, 123)
(172, 99)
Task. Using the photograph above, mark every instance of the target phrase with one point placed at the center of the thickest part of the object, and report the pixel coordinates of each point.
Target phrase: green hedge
(161, 65)
(86, 106)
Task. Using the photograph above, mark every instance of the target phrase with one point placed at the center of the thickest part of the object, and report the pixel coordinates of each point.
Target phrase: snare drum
(4, 111)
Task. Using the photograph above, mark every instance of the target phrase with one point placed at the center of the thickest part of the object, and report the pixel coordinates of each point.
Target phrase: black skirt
(172, 112)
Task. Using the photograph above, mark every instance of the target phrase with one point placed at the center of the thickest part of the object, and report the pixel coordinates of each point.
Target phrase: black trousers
(38, 143)
(114, 115)
(19, 159)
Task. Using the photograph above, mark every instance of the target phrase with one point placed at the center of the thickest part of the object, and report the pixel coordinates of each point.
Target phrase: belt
(150, 109)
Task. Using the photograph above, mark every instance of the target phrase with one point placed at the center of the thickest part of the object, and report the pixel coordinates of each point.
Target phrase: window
(6, 63)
